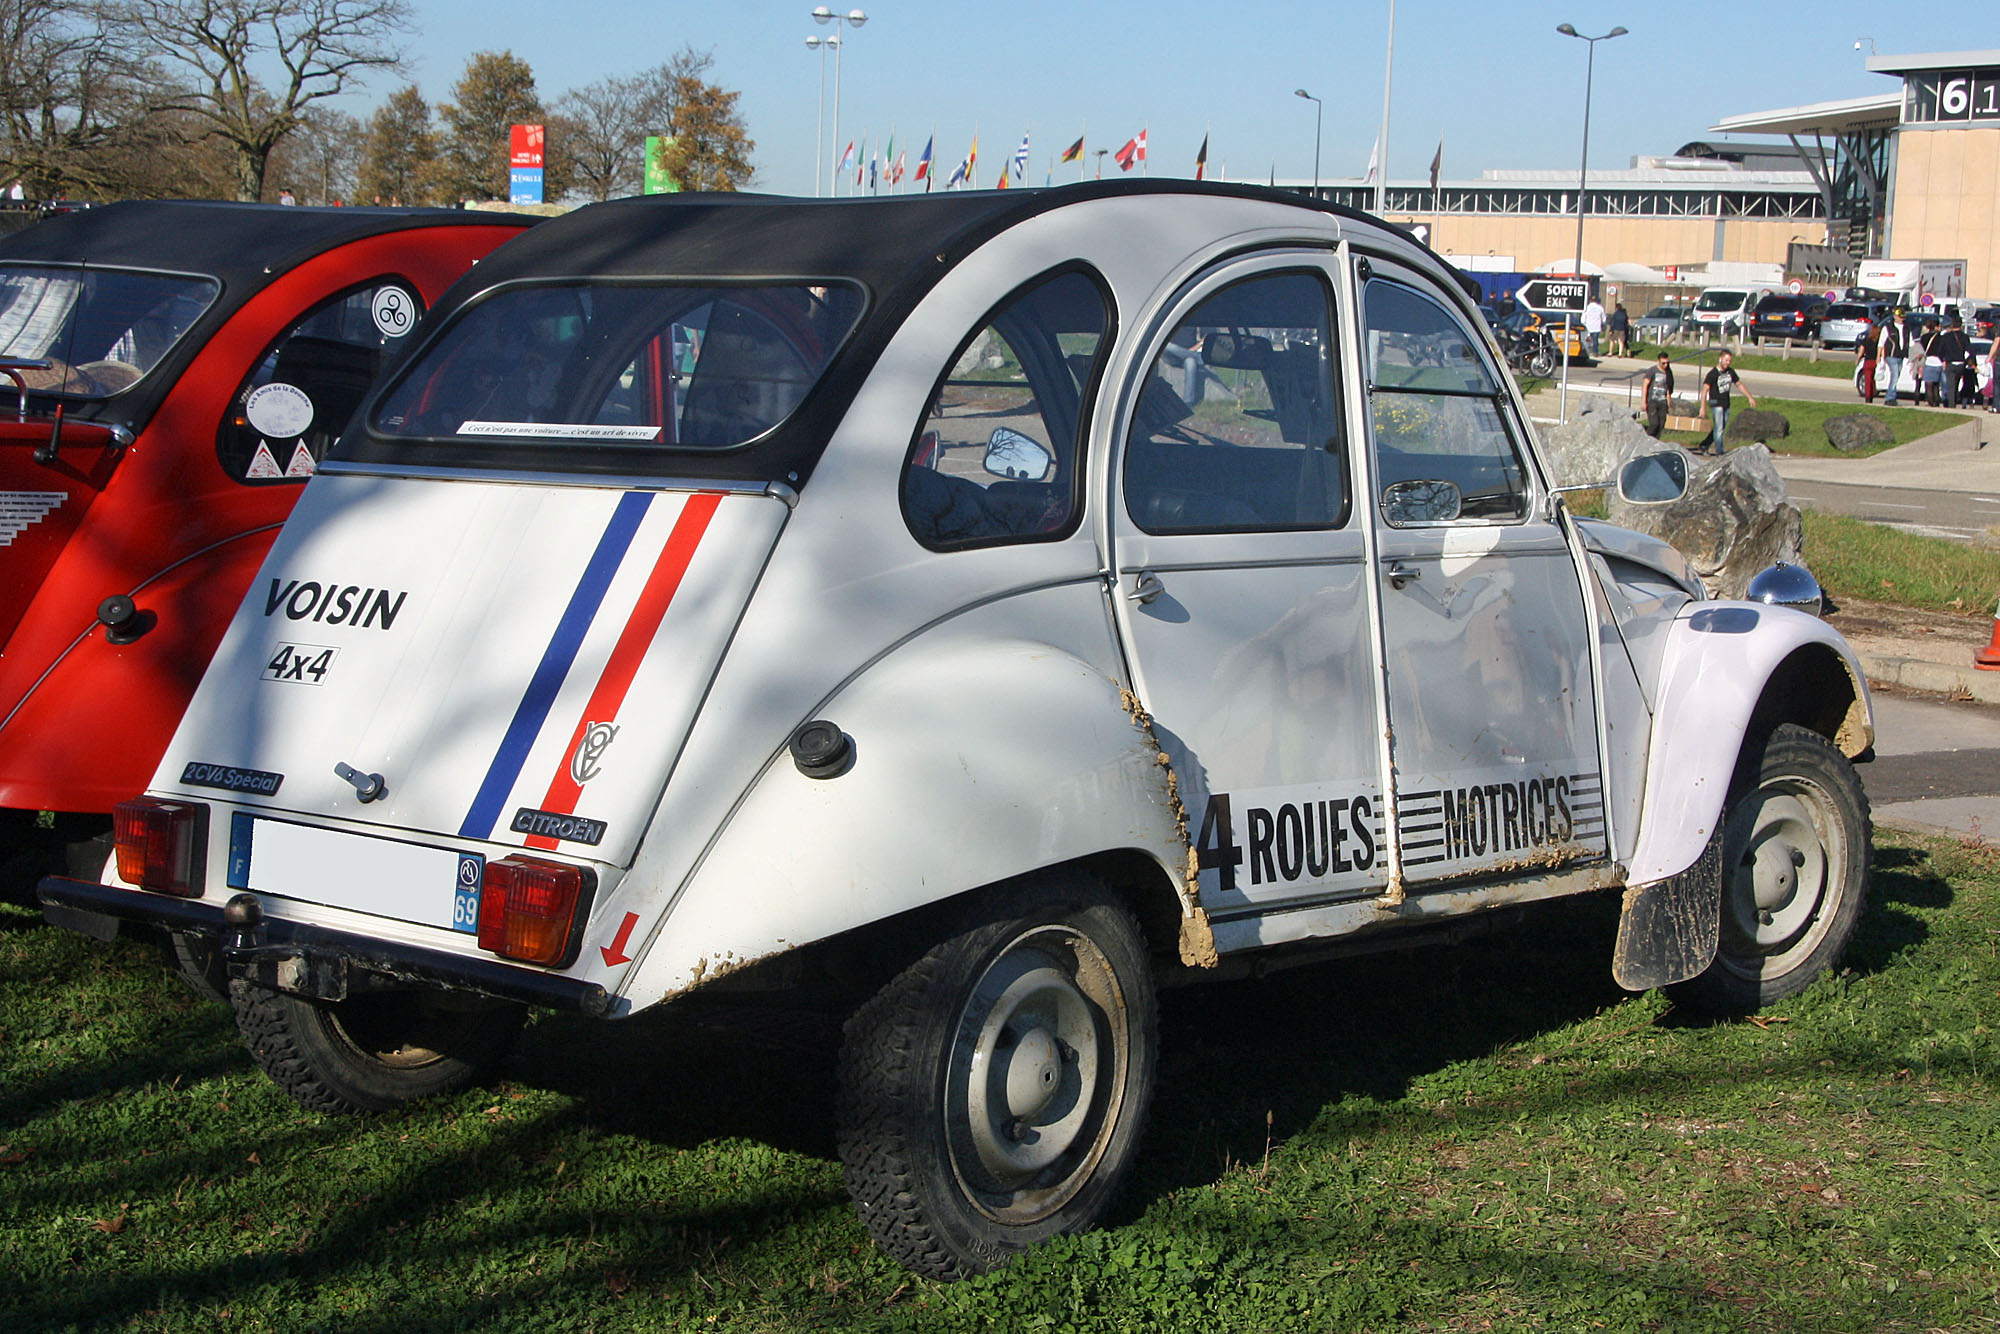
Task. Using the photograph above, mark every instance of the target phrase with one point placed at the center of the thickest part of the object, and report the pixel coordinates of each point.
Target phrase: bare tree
(73, 98)
(321, 159)
(318, 47)
(606, 123)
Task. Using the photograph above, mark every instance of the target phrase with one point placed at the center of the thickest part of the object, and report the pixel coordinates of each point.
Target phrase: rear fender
(972, 762)
(1730, 670)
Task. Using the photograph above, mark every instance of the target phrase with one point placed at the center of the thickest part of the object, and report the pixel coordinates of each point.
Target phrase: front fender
(1728, 668)
(973, 761)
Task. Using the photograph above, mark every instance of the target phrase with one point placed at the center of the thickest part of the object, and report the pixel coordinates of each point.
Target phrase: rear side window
(1237, 428)
(996, 458)
(638, 364)
(298, 399)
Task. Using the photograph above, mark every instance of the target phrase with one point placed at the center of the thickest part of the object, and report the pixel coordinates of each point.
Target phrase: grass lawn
(1853, 558)
(1809, 419)
(1491, 1136)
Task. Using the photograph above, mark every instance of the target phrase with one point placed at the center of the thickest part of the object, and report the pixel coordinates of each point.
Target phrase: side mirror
(1427, 500)
(1235, 351)
(1654, 479)
(1015, 456)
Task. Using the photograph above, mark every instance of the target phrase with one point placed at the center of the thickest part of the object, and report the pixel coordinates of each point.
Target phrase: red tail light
(162, 845)
(533, 910)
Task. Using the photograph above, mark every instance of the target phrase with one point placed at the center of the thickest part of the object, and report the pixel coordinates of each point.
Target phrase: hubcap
(1035, 1075)
(1783, 851)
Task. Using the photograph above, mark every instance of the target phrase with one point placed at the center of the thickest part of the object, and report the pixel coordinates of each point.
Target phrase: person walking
(1927, 372)
(1657, 389)
(1895, 345)
(1867, 351)
(1951, 349)
(1716, 389)
(1619, 326)
(1593, 323)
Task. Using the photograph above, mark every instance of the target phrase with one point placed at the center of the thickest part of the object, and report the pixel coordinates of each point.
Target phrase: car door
(1486, 640)
(1241, 585)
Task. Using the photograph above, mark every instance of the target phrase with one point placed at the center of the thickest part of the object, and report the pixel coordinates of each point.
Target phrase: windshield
(99, 330)
(1720, 301)
(636, 364)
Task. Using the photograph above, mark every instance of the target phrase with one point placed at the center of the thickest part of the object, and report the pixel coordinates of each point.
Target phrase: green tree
(496, 93)
(214, 49)
(710, 150)
(399, 153)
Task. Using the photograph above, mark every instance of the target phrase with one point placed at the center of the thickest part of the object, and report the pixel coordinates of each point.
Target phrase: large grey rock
(1757, 424)
(1599, 436)
(1735, 519)
(1857, 430)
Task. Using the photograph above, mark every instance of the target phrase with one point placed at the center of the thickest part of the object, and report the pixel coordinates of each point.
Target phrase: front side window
(293, 405)
(996, 456)
(100, 330)
(1442, 450)
(1237, 427)
(677, 366)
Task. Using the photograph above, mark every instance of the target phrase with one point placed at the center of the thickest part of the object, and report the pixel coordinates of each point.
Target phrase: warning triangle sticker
(262, 464)
(302, 462)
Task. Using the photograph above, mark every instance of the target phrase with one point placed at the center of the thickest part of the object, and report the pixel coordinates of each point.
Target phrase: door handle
(1146, 586)
(1400, 574)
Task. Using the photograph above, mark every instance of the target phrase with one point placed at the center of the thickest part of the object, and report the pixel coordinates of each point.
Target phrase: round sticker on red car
(280, 411)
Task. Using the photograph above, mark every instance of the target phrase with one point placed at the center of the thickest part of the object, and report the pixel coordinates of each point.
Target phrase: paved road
(1958, 515)
(1936, 767)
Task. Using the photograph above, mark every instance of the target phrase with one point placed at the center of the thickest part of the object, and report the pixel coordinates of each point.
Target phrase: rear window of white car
(632, 364)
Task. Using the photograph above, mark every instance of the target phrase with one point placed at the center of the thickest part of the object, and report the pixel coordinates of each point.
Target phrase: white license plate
(384, 877)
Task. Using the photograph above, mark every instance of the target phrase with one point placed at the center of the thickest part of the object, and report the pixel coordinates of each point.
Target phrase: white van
(1725, 311)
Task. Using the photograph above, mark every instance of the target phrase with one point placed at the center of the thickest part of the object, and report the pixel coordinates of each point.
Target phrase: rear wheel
(992, 1094)
(372, 1051)
(1795, 853)
(1544, 361)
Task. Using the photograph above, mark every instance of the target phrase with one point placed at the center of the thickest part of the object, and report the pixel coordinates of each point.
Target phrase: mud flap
(1669, 930)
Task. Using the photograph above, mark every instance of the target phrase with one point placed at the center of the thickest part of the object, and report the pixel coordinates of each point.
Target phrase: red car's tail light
(162, 845)
(533, 910)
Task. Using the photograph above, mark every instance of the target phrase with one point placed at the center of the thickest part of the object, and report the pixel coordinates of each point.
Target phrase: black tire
(1796, 847)
(197, 961)
(1543, 363)
(372, 1051)
(1047, 989)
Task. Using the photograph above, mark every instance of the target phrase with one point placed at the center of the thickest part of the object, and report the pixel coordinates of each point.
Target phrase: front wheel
(1796, 844)
(375, 1050)
(1544, 362)
(992, 1094)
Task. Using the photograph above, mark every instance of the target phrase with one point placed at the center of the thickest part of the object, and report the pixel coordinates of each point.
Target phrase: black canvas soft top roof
(897, 247)
(244, 245)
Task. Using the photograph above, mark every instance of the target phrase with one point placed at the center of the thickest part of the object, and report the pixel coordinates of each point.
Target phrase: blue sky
(1494, 80)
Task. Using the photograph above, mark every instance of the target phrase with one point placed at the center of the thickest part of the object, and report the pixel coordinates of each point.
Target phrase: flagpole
(1388, 72)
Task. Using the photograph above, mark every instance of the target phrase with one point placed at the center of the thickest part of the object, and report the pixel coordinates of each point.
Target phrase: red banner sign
(525, 146)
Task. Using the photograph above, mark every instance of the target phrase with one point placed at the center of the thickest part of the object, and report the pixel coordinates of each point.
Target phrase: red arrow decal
(614, 953)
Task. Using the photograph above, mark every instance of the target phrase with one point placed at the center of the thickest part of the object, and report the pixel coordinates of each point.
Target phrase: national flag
(874, 172)
(1074, 153)
(924, 163)
(1374, 159)
(1201, 159)
(1004, 173)
(847, 157)
(860, 164)
(1132, 153)
(1437, 163)
(896, 172)
(1021, 159)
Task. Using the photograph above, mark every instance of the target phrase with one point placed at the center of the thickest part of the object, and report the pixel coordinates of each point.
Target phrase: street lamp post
(820, 44)
(1583, 170)
(1319, 107)
(853, 18)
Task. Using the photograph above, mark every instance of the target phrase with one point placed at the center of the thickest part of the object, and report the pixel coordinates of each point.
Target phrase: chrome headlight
(1784, 585)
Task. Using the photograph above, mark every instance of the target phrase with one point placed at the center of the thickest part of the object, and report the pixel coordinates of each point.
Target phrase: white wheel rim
(1036, 1074)
(1784, 858)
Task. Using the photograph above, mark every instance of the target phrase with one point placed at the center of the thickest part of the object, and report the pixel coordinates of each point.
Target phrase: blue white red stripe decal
(623, 664)
(557, 659)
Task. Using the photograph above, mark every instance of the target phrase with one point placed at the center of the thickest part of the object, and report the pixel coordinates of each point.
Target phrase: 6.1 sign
(1555, 294)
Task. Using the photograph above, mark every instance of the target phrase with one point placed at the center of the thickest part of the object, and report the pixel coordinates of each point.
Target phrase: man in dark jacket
(1657, 389)
(1952, 348)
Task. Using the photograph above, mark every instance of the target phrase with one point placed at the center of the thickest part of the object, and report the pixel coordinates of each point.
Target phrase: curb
(1966, 682)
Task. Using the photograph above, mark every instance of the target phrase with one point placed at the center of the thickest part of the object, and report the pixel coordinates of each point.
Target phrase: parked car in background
(1846, 323)
(1983, 320)
(1724, 312)
(1784, 316)
(878, 602)
(179, 370)
(1659, 324)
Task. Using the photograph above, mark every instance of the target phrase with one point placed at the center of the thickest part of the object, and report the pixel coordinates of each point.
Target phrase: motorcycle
(1529, 347)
